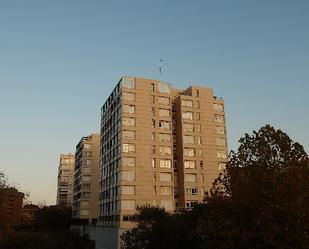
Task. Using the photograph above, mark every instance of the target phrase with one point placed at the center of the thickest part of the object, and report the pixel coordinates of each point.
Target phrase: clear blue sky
(60, 59)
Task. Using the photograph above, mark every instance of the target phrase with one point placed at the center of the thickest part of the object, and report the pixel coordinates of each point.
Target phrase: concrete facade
(86, 179)
(65, 180)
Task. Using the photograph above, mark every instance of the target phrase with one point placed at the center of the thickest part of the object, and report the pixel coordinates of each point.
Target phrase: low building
(28, 213)
(11, 205)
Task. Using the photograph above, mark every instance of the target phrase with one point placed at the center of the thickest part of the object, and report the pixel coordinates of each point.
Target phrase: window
(86, 195)
(163, 87)
(128, 205)
(218, 107)
(198, 140)
(219, 118)
(165, 163)
(198, 128)
(197, 105)
(153, 99)
(153, 111)
(166, 190)
(188, 139)
(128, 161)
(186, 103)
(153, 123)
(154, 176)
(167, 204)
(197, 116)
(202, 177)
(189, 165)
(153, 136)
(164, 137)
(221, 166)
(190, 178)
(190, 204)
(189, 152)
(164, 100)
(130, 135)
(165, 177)
(88, 146)
(128, 148)
(221, 154)
(128, 121)
(198, 151)
(126, 218)
(220, 141)
(187, 127)
(153, 149)
(187, 115)
(164, 112)
(152, 87)
(128, 82)
(127, 175)
(129, 108)
(220, 130)
(191, 191)
(165, 150)
(202, 191)
(153, 162)
(128, 190)
(128, 96)
(165, 124)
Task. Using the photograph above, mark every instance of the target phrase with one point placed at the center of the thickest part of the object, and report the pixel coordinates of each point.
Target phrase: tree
(158, 229)
(265, 189)
(54, 217)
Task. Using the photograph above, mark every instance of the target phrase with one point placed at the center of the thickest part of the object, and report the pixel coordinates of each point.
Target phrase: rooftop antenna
(160, 69)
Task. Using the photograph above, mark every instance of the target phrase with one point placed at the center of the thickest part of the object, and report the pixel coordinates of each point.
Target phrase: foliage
(159, 229)
(54, 217)
(46, 239)
(260, 201)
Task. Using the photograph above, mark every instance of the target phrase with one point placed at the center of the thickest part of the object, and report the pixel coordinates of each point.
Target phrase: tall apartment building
(86, 179)
(65, 180)
(159, 146)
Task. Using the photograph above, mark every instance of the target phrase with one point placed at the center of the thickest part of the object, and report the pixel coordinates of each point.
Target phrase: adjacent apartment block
(11, 201)
(65, 180)
(86, 179)
(159, 146)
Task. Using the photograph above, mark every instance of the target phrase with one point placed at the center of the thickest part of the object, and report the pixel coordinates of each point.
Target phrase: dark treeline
(48, 229)
(260, 201)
